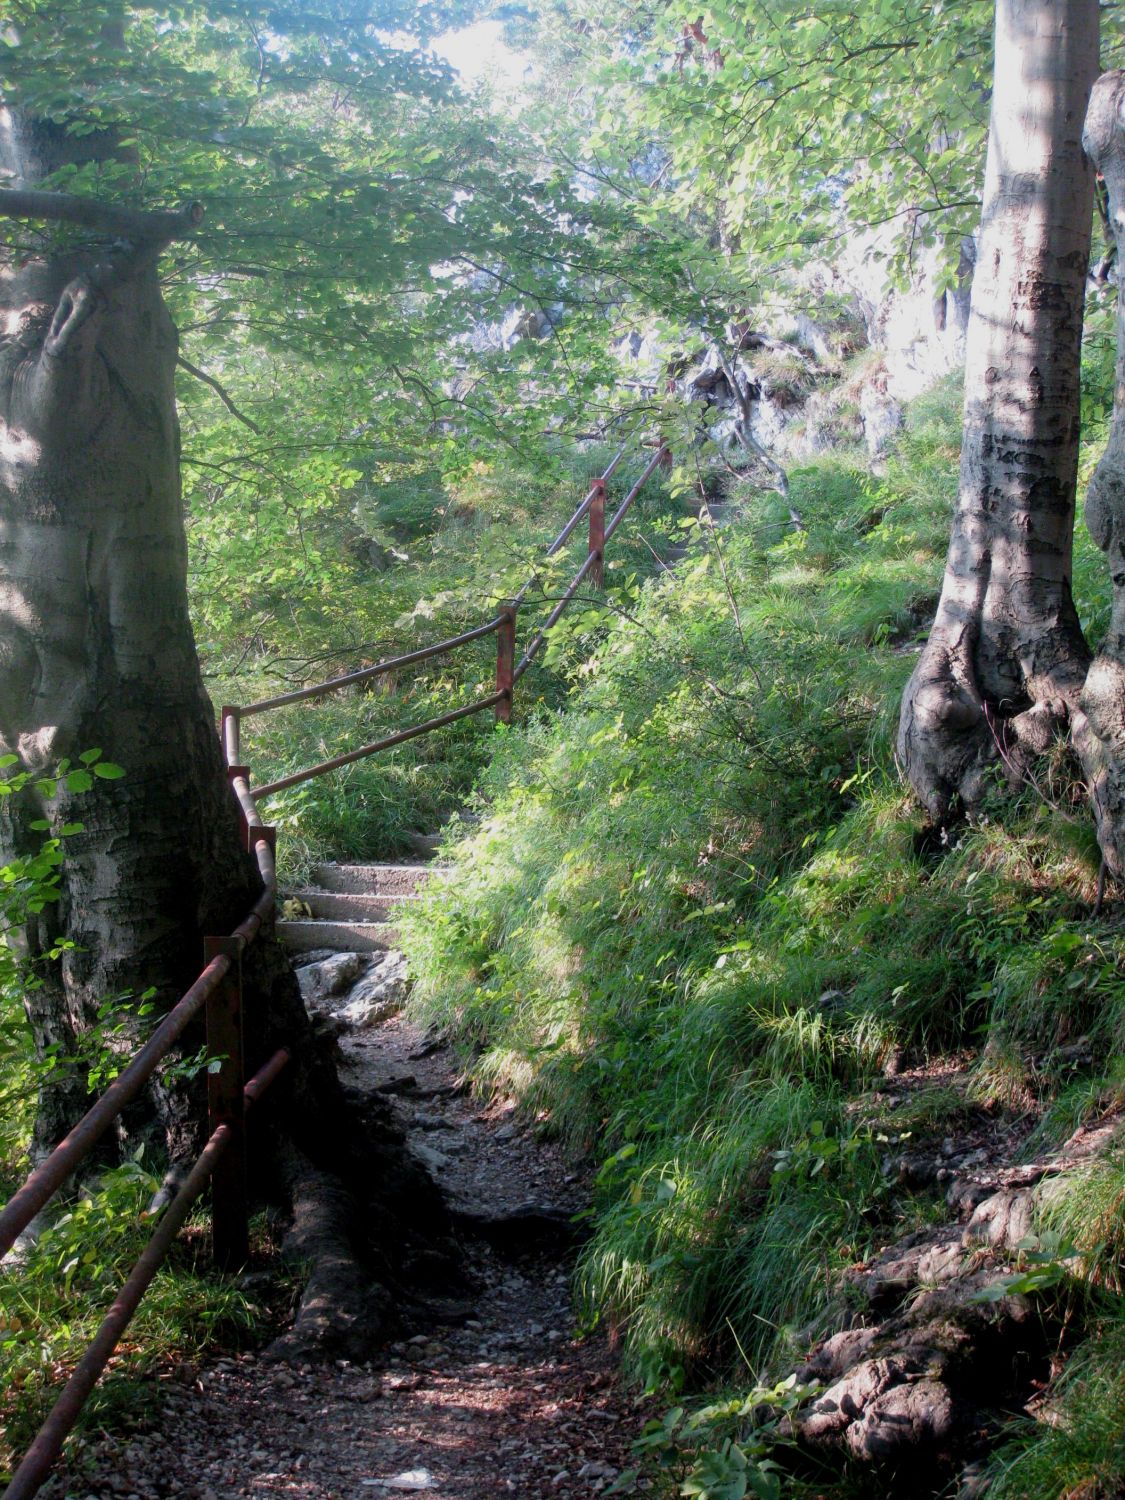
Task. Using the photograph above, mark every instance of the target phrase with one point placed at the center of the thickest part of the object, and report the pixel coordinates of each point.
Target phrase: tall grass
(695, 926)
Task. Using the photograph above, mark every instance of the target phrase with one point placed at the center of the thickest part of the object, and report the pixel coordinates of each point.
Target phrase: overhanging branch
(103, 218)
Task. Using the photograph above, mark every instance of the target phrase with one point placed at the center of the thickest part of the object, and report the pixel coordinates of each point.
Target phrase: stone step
(303, 934)
(372, 880)
(349, 906)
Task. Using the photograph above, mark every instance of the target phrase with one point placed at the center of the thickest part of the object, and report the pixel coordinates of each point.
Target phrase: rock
(401, 1083)
(411, 1479)
(910, 1416)
(597, 1470)
(891, 1275)
(320, 981)
(882, 419)
(433, 1161)
(879, 1408)
(378, 996)
(837, 1354)
(1002, 1221)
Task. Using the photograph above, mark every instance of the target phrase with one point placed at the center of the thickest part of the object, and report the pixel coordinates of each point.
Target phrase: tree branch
(104, 218)
(186, 364)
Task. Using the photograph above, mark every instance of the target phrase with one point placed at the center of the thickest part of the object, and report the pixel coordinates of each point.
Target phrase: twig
(1100, 895)
(186, 364)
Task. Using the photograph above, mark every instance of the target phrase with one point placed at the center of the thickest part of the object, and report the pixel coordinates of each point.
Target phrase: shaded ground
(509, 1403)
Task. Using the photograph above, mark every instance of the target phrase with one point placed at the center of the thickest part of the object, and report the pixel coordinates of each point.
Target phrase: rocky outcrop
(831, 366)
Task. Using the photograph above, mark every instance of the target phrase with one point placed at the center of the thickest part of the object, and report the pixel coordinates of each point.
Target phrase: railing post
(233, 775)
(505, 662)
(597, 534)
(230, 1240)
(230, 733)
(267, 833)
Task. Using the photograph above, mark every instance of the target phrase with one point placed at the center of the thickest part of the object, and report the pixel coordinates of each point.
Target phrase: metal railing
(503, 626)
(217, 992)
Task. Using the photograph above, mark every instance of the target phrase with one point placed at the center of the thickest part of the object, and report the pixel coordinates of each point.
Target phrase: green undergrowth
(55, 1291)
(52, 1303)
(388, 569)
(1078, 1449)
(696, 926)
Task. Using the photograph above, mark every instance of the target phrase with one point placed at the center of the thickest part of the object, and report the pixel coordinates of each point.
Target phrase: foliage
(866, 115)
(460, 550)
(27, 885)
(52, 1301)
(1080, 1450)
(51, 1309)
(722, 1451)
(695, 926)
(664, 917)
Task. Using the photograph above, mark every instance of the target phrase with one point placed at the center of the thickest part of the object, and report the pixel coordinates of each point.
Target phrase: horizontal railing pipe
(565, 534)
(541, 635)
(385, 744)
(322, 689)
(621, 511)
(592, 560)
(50, 1175)
(583, 509)
(230, 734)
(240, 784)
(265, 1075)
(41, 1456)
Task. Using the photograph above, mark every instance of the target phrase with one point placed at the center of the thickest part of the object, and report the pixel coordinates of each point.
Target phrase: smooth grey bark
(1103, 698)
(97, 650)
(1004, 666)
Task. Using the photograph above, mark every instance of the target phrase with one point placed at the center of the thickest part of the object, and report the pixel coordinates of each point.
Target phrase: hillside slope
(702, 933)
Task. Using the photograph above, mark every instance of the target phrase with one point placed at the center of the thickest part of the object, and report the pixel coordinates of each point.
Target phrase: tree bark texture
(97, 652)
(1005, 662)
(1103, 698)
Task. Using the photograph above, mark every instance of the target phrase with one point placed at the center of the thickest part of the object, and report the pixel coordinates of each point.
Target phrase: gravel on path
(510, 1403)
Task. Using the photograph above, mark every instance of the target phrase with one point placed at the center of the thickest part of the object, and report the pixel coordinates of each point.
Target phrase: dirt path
(510, 1403)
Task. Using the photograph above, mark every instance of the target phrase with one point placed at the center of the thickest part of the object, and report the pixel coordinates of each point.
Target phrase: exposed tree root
(927, 1362)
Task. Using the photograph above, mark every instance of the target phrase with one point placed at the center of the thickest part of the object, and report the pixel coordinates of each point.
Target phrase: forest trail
(506, 1399)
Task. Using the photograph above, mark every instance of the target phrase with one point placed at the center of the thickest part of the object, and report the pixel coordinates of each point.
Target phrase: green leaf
(109, 771)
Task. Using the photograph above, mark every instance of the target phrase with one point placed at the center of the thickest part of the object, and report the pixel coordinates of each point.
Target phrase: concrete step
(372, 880)
(302, 934)
(349, 906)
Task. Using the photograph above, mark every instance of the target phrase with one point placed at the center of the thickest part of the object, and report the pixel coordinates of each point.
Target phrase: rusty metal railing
(217, 993)
(503, 626)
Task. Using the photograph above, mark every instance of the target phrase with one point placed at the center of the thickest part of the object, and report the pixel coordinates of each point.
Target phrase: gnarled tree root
(927, 1362)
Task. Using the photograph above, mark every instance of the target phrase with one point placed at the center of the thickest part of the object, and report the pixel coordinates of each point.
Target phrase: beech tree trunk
(1103, 698)
(97, 652)
(1005, 663)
